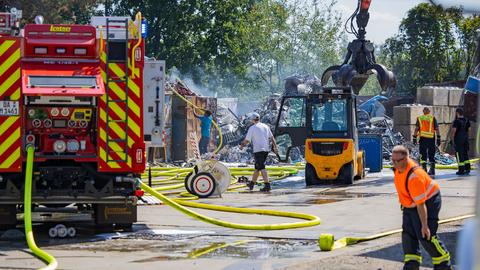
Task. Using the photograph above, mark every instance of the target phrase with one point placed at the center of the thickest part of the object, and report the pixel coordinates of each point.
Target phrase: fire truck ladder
(113, 145)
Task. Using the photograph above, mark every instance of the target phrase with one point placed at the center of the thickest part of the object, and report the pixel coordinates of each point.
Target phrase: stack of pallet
(442, 102)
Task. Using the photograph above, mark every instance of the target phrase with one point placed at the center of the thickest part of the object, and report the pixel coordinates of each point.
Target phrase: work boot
(461, 170)
(432, 169)
(445, 266)
(411, 265)
(467, 168)
(266, 187)
(424, 166)
(250, 185)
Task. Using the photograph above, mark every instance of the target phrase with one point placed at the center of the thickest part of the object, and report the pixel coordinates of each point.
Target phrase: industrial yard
(265, 134)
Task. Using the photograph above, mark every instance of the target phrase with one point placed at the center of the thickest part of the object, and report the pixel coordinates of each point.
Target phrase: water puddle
(342, 194)
(326, 197)
(322, 201)
(169, 247)
(257, 249)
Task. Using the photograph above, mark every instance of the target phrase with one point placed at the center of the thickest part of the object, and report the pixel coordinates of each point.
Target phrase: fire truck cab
(75, 93)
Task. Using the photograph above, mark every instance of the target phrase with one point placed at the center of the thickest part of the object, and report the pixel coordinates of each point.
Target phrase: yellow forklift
(325, 124)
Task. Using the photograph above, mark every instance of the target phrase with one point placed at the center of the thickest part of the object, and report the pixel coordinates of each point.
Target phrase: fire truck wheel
(188, 180)
(6, 227)
(126, 227)
(104, 228)
(203, 184)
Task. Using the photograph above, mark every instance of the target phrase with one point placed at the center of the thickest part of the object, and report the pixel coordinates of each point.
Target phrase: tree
(60, 11)
(467, 31)
(239, 47)
(433, 45)
(196, 37)
(292, 37)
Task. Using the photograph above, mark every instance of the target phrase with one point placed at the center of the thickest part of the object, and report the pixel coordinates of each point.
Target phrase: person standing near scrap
(420, 201)
(205, 125)
(460, 128)
(260, 136)
(427, 128)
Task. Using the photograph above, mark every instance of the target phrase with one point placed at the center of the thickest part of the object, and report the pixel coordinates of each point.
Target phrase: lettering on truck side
(65, 29)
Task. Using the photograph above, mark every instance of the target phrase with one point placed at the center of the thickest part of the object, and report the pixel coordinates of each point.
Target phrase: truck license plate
(9, 108)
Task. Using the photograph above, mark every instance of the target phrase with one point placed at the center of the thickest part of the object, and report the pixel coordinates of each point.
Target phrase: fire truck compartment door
(55, 85)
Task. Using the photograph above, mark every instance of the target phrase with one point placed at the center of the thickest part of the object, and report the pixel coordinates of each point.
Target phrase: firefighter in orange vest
(427, 128)
(420, 201)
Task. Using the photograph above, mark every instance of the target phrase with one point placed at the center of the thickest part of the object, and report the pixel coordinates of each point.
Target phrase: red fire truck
(75, 92)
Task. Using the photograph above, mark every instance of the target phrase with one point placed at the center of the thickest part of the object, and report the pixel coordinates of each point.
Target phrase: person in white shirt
(260, 136)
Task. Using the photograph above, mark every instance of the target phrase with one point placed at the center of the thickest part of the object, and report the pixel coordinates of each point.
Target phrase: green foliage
(240, 48)
(433, 45)
(59, 11)
(293, 37)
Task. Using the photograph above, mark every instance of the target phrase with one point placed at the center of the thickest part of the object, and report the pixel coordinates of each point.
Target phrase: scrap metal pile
(180, 88)
(384, 125)
(234, 130)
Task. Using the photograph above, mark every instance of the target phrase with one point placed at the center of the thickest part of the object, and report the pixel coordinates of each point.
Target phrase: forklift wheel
(311, 175)
(364, 173)
(347, 174)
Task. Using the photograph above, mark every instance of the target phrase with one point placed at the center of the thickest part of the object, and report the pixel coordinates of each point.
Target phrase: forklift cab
(325, 124)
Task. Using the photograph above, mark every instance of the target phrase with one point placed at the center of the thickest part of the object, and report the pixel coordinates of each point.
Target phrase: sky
(386, 15)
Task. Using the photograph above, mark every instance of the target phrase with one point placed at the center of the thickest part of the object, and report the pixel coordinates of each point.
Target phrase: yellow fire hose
(200, 252)
(326, 242)
(52, 262)
(179, 205)
(446, 167)
(220, 143)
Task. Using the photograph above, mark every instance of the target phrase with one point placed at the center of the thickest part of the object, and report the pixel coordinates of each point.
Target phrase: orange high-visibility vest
(420, 186)
(426, 126)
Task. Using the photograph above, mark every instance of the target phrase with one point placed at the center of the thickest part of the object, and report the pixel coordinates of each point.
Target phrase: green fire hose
(52, 262)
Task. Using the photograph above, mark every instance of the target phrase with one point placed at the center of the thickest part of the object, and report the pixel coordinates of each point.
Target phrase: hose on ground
(311, 220)
(49, 259)
(327, 242)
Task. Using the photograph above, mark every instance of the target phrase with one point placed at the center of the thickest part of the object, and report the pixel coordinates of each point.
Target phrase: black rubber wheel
(6, 227)
(187, 182)
(203, 184)
(104, 228)
(126, 227)
(364, 173)
(347, 176)
(311, 175)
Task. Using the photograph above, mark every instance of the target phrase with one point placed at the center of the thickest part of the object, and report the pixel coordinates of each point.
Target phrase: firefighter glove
(439, 140)
(414, 139)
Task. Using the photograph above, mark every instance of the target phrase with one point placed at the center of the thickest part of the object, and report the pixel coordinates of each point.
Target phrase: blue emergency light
(144, 28)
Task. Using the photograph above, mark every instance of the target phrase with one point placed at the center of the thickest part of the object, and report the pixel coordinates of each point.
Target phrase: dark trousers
(461, 151)
(203, 145)
(412, 234)
(427, 150)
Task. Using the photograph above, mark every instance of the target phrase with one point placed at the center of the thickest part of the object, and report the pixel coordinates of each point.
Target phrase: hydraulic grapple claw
(362, 63)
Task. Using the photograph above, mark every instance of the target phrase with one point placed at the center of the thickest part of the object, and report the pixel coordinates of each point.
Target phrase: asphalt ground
(164, 238)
